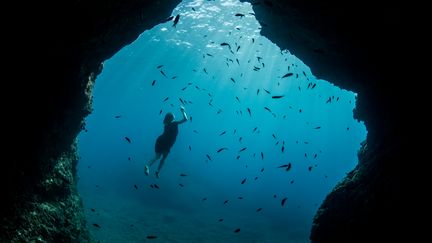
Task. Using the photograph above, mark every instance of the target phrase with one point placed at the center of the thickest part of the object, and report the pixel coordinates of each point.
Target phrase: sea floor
(115, 219)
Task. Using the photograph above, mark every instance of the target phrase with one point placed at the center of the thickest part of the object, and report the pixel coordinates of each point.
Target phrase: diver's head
(169, 117)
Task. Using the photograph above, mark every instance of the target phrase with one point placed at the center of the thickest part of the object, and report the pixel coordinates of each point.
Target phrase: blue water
(314, 125)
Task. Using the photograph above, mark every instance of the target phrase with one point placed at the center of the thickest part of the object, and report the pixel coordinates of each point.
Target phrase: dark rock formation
(355, 45)
(54, 50)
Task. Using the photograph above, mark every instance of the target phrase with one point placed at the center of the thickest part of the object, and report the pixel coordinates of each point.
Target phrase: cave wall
(53, 52)
(357, 46)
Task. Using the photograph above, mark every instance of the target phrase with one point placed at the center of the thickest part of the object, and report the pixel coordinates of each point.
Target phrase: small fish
(183, 174)
(268, 109)
(287, 75)
(208, 157)
(236, 230)
(156, 186)
(277, 96)
(243, 181)
(96, 225)
(283, 201)
(159, 66)
(117, 116)
(151, 237)
(204, 199)
(262, 169)
(181, 185)
(128, 139)
(160, 112)
(153, 83)
(163, 73)
(274, 136)
(315, 156)
(238, 157)
(232, 80)
(254, 130)
(166, 99)
(262, 155)
(239, 197)
(136, 187)
(239, 15)
(258, 90)
(268, 92)
(249, 111)
(226, 201)
(220, 220)
(221, 149)
(176, 20)
(317, 127)
(259, 209)
(310, 168)
(243, 149)
(190, 148)
(222, 133)
(92, 209)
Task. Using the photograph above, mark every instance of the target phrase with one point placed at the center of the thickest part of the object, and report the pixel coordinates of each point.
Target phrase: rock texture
(53, 51)
(355, 45)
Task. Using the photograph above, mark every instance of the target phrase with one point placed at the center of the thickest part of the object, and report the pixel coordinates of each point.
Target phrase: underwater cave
(226, 176)
(264, 143)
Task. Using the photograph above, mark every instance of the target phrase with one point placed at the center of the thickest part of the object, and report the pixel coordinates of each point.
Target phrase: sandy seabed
(127, 220)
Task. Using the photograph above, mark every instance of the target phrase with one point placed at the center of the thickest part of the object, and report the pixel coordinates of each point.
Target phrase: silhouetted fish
(243, 149)
(221, 149)
(317, 127)
(166, 99)
(277, 96)
(151, 237)
(283, 201)
(163, 73)
(259, 209)
(96, 225)
(249, 111)
(208, 157)
(136, 187)
(239, 15)
(236, 230)
(153, 83)
(220, 220)
(243, 181)
(159, 66)
(117, 116)
(183, 174)
(128, 139)
(176, 20)
(287, 75)
(226, 201)
(262, 155)
(222, 133)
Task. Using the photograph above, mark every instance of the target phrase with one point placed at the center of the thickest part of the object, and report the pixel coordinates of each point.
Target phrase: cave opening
(265, 142)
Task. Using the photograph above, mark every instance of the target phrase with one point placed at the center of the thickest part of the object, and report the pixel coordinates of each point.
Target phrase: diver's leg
(161, 163)
(151, 162)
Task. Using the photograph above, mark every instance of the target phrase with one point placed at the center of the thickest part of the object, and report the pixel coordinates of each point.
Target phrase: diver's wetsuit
(165, 141)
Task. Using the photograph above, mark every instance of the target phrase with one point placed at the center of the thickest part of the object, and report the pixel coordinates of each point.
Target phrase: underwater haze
(265, 142)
